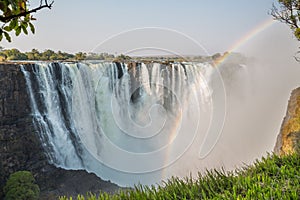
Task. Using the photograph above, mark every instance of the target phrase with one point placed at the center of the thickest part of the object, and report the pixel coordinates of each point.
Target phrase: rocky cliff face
(21, 149)
(288, 140)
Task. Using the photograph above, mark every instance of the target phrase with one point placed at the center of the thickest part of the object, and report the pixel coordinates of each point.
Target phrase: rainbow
(251, 34)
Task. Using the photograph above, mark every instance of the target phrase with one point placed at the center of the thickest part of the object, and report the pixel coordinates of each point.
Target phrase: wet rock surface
(21, 149)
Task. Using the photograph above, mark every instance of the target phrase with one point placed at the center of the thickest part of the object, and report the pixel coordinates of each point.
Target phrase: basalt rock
(20, 146)
(288, 140)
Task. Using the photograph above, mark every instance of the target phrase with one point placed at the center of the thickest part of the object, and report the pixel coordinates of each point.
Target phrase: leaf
(18, 30)
(23, 5)
(27, 18)
(24, 24)
(24, 30)
(1, 36)
(7, 36)
(13, 23)
(7, 28)
(14, 4)
(32, 28)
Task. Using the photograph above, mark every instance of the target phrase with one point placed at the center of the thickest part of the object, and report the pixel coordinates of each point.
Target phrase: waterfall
(124, 122)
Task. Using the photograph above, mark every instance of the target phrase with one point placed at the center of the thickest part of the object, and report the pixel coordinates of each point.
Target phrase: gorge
(129, 123)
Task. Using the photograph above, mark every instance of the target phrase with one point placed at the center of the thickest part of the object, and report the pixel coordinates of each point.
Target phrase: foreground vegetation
(21, 185)
(273, 177)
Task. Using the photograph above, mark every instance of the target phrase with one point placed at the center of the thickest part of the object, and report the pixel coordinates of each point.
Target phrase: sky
(117, 26)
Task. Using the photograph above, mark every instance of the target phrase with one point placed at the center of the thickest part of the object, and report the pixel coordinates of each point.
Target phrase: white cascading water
(126, 123)
(142, 123)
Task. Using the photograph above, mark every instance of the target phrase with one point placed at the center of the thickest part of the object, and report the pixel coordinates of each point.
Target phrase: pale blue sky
(76, 25)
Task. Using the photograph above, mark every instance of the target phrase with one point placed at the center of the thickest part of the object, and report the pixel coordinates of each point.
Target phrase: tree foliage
(288, 12)
(34, 54)
(50, 55)
(122, 58)
(21, 186)
(80, 56)
(16, 16)
(13, 54)
(99, 56)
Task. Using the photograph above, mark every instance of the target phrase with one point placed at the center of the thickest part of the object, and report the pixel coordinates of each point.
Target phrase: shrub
(21, 186)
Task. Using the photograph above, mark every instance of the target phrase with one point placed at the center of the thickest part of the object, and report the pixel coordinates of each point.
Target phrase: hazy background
(76, 25)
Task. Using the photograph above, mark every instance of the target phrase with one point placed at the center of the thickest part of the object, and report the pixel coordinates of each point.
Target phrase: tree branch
(10, 17)
(284, 15)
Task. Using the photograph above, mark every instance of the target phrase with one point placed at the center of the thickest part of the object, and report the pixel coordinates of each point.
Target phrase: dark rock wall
(21, 149)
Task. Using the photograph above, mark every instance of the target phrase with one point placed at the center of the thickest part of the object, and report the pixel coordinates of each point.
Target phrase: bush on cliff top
(20, 186)
(273, 177)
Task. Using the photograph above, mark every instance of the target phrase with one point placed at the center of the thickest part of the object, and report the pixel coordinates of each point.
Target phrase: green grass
(273, 177)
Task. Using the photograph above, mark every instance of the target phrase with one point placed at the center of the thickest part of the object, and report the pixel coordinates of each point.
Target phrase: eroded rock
(288, 140)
